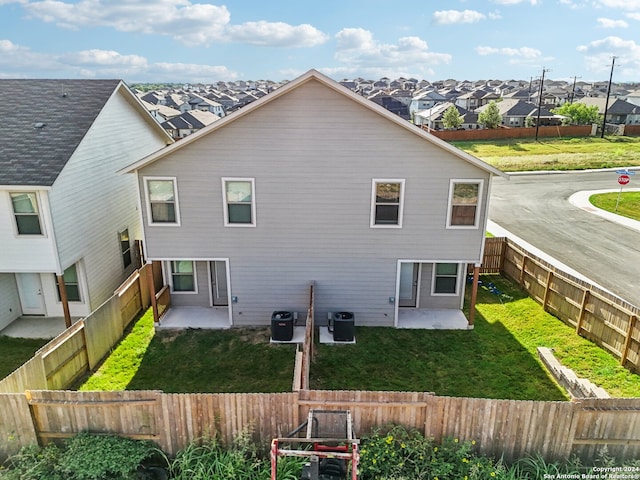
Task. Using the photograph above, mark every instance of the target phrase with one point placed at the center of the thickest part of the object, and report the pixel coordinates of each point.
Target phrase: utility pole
(573, 90)
(540, 101)
(606, 103)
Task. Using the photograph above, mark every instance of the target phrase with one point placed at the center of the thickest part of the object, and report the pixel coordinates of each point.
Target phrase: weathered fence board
(16, 424)
(598, 315)
(65, 357)
(504, 428)
(29, 375)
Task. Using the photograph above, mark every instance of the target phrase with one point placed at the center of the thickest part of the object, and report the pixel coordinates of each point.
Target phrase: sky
(203, 41)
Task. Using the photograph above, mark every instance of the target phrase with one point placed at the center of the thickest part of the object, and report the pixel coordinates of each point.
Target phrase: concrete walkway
(36, 327)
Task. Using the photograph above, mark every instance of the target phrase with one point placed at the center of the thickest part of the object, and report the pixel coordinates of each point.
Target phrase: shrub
(97, 457)
(83, 457)
(208, 459)
(401, 454)
(32, 463)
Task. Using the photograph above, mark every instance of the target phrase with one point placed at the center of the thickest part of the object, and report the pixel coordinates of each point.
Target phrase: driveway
(536, 208)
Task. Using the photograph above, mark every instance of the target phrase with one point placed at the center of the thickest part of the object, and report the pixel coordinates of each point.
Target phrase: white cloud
(21, 62)
(633, 16)
(598, 55)
(515, 2)
(622, 4)
(522, 52)
(609, 23)
(448, 17)
(276, 34)
(359, 51)
(189, 23)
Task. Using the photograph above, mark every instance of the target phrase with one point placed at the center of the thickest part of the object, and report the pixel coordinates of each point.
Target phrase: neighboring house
(203, 104)
(188, 123)
(618, 111)
(68, 221)
(160, 112)
(425, 100)
(476, 99)
(432, 118)
(514, 113)
(384, 217)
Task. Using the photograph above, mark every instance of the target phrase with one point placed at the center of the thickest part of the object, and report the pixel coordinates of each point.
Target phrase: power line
(606, 103)
(540, 101)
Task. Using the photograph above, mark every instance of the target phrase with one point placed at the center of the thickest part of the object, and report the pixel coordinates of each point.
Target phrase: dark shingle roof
(45, 120)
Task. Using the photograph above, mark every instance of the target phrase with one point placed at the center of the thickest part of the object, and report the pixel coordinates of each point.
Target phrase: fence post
(547, 287)
(583, 309)
(152, 293)
(627, 341)
(474, 294)
(522, 270)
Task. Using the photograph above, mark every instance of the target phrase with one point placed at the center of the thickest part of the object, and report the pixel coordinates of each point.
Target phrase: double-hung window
(125, 247)
(239, 202)
(464, 203)
(162, 201)
(26, 213)
(71, 284)
(387, 197)
(183, 276)
(445, 281)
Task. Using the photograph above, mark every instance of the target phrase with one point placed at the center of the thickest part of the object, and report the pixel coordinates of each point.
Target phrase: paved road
(536, 208)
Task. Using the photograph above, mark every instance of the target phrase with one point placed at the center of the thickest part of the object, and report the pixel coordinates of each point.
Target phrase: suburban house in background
(68, 221)
(314, 183)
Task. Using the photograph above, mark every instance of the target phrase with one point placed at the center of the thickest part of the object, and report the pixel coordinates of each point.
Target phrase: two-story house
(67, 220)
(313, 182)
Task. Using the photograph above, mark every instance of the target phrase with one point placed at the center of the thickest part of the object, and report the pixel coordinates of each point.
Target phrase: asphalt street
(536, 208)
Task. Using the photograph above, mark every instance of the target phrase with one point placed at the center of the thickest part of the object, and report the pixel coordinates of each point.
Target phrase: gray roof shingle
(45, 121)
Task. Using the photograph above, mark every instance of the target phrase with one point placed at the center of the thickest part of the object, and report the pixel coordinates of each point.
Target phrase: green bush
(83, 457)
(97, 457)
(208, 459)
(400, 454)
(32, 463)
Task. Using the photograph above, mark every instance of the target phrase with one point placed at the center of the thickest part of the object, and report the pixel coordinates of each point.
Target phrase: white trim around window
(163, 209)
(27, 215)
(444, 273)
(387, 202)
(239, 201)
(183, 276)
(465, 203)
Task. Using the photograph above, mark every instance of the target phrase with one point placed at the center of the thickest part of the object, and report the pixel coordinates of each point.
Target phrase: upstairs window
(445, 279)
(464, 203)
(25, 211)
(71, 284)
(386, 203)
(162, 201)
(239, 202)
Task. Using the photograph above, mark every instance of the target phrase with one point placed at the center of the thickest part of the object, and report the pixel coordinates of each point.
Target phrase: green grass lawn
(16, 351)
(513, 155)
(497, 359)
(190, 361)
(628, 206)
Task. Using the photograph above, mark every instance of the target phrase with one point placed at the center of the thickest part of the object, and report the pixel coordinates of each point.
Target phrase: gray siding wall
(91, 203)
(202, 297)
(437, 301)
(10, 308)
(313, 154)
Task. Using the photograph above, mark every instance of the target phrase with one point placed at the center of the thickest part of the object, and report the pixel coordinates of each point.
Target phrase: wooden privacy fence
(501, 428)
(605, 319)
(82, 346)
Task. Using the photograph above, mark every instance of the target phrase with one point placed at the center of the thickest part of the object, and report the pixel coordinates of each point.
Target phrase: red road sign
(623, 179)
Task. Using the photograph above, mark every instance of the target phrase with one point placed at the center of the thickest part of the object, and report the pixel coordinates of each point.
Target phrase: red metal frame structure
(324, 438)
